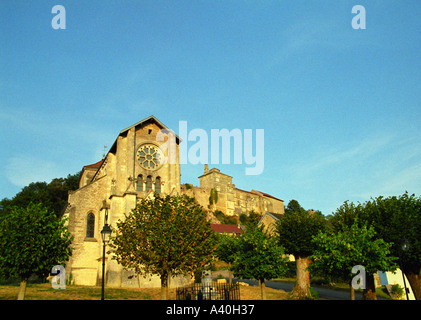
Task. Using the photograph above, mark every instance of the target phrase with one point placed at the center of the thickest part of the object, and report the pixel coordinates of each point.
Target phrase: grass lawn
(44, 291)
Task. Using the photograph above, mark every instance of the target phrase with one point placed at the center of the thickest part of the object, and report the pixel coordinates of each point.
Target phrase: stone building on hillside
(130, 171)
(231, 200)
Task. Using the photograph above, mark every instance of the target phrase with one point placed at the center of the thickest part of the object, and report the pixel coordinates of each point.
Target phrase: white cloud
(22, 170)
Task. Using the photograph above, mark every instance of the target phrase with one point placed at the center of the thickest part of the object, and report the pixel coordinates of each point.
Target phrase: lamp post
(405, 248)
(106, 236)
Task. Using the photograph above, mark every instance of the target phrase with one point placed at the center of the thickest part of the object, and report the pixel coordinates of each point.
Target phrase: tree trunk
(22, 289)
(302, 286)
(262, 288)
(369, 293)
(164, 286)
(415, 282)
(352, 291)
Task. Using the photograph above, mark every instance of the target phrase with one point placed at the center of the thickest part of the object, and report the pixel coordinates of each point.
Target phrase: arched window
(158, 185)
(148, 183)
(90, 225)
(139, 183)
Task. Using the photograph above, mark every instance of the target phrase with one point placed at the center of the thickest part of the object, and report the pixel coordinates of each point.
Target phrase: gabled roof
(114, 146)
(95, 165)
(214, 170)
(274, 216)
(226, 228)
(151, 117)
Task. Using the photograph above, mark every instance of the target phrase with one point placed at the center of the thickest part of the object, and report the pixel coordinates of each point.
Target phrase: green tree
(35, 192)
(295, 230)
(294, 207)
(226, 250)
(52, 195)
(225, 219)
(213, 198)
(337, 253)
(345, 216)
(397, 220)
(58, 191)
(164, 236)
(252, 220)
(259, 256)
(32, 241)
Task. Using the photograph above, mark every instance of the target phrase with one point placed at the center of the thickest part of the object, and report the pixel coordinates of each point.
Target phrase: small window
(90, 225)
(148, 183)
(158, 185)
(139, 183)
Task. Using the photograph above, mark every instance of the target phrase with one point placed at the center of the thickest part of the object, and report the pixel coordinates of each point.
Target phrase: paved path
(324, 294)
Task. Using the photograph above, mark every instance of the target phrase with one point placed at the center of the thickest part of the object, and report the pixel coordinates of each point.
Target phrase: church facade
(133, 169)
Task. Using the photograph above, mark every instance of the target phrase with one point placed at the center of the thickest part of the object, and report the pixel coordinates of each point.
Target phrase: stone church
(132, 170)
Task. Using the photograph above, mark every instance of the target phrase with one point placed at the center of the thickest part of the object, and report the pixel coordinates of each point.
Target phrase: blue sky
(340, 108)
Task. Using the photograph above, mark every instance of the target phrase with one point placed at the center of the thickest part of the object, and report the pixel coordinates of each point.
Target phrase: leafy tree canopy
(226, 248)
(259, 256)
(32, 241)
(396, 220)
(52, 195)
(255, 255)
(297, 227)
(165, 236)
(336, 253)
(294, 207)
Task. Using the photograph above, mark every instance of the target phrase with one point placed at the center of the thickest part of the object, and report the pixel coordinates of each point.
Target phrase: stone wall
(85, 260)
(231, 200)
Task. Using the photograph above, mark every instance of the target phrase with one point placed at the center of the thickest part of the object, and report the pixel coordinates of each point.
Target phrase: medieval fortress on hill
(131, 171)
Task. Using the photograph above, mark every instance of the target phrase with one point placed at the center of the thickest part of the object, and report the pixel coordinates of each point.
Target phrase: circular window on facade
(149, 156)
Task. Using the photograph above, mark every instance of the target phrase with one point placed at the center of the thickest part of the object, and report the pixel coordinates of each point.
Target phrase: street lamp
(106, 236)
(405, 245)
(106, 233)
(405, 248)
